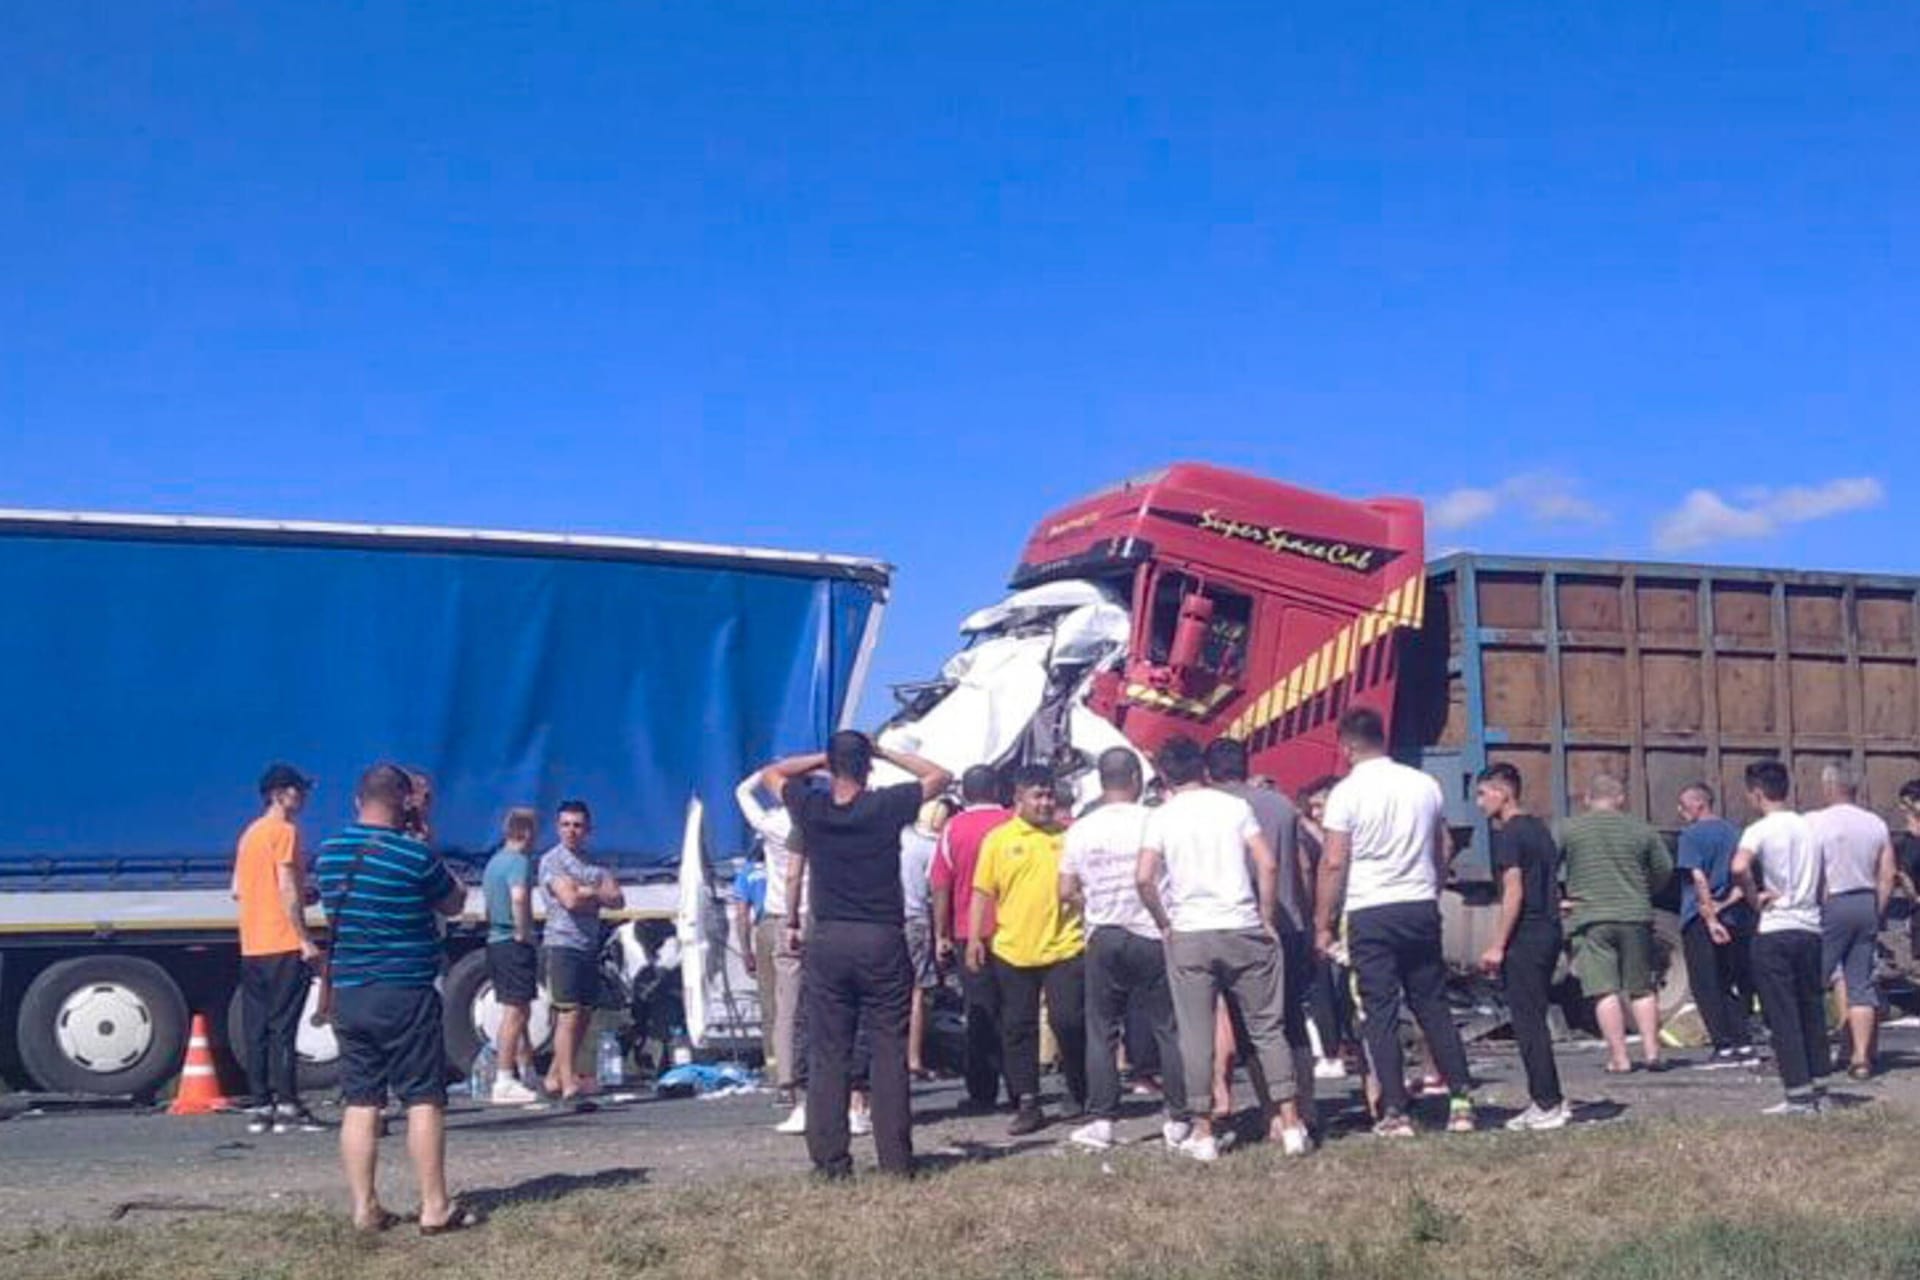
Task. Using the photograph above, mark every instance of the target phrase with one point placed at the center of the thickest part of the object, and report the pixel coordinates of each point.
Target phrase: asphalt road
(64, 1167)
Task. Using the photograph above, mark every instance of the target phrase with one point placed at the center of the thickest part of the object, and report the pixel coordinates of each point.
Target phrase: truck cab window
(1224, 652)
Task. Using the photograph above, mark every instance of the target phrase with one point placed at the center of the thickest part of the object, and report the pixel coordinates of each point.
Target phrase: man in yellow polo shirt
(1037, 947)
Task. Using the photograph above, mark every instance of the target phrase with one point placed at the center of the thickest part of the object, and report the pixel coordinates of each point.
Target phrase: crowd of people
(1195, 922)
(1206, 922)
(385, 894)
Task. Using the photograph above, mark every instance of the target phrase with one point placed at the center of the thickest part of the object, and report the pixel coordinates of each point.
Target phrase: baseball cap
(280, 776)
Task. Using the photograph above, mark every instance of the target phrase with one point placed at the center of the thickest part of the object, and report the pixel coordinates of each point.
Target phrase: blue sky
(1622, 280)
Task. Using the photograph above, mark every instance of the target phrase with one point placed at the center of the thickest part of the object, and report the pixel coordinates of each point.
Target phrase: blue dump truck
(151, 667)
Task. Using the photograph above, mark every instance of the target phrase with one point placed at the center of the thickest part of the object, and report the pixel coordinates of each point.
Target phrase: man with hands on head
(857, 968)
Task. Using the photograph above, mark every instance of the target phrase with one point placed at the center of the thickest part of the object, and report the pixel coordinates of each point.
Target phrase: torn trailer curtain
(150, 674)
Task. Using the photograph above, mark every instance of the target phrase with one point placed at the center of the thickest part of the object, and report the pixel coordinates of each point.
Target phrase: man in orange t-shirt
(276, 952)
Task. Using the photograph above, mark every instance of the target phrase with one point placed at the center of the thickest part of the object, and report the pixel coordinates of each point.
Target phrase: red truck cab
(1259, 611)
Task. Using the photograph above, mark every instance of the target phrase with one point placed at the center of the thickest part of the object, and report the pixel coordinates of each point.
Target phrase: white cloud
(1542, 496)
(1461, 508)
(1553, 499)
(1704, 517)
(1836, 497)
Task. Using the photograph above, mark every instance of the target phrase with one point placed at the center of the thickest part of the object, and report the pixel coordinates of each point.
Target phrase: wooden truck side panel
(1663, 675)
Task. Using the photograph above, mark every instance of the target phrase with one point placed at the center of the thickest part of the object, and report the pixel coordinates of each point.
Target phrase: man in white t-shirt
(1208, 877)
(1856, 856)
(1786, 949)
(775, 829)
(1126, 959)
(1385, 860)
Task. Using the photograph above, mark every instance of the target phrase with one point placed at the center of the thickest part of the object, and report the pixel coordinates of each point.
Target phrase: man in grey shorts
(1856, 855)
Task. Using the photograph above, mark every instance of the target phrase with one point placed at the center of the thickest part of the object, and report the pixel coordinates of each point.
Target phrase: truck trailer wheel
(104, 1025)
(473, 1016)
(317, 1048)
(1670, 967)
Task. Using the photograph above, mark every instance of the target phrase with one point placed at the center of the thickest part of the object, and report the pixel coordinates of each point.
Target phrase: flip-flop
(461, 1219)
(385, 1221)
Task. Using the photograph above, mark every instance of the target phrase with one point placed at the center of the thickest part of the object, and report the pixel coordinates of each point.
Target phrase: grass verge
(1821, 1200)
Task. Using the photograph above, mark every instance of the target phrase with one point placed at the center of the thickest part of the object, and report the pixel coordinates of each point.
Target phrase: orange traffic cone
(199, 1092)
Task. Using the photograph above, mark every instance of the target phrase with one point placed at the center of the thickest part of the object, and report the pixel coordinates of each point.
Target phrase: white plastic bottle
(610, 1061)
(480, 1079)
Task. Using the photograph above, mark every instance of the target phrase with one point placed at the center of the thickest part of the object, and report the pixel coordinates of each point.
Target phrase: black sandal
(384, 1221)
(461, 1219)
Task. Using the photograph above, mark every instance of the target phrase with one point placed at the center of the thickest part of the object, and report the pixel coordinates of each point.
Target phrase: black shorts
(514, 969)
(390, 1040)
(573, 978)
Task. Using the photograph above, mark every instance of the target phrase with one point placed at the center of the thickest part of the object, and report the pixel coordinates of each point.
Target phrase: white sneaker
(1097, 1135)
(1329, 1069)
(292, 1119)
(796, 1121)
(1792, 1107)
(1203, 1149)
(1537, 1119)
(508, 1092)
(1295, 1142)
(1176, 1132)
(859, 1123)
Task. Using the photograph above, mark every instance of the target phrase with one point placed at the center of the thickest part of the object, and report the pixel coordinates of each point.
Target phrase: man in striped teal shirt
(382, 890)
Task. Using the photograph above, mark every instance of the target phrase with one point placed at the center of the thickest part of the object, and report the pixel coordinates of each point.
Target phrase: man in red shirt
(954, 860)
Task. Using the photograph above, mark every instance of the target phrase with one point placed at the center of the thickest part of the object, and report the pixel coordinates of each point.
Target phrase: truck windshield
(1225, 651)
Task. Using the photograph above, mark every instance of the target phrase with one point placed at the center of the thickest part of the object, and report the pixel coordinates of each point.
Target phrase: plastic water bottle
(480, 1079)
(609, 1062)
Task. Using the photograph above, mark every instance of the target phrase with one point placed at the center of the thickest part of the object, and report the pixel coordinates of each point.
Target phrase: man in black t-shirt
(1527, 939)
(857, 972)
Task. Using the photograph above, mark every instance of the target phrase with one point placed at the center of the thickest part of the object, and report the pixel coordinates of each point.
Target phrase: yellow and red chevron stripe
(1162, 700)
(1359, 649)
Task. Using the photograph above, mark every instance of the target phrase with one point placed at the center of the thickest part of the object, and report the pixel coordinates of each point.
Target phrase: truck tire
(317, 1048)
(103, 1025)
(472, 1017)
(1669, 967)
